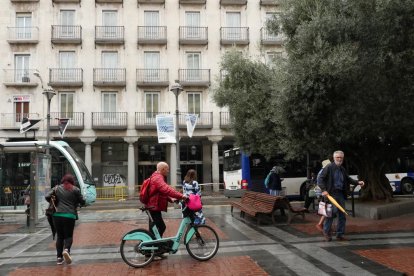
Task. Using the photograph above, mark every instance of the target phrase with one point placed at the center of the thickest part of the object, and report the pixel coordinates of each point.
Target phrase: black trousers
(158, 221)
(64, 229)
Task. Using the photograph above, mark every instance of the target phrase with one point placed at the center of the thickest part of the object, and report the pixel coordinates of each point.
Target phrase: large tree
(345, 83)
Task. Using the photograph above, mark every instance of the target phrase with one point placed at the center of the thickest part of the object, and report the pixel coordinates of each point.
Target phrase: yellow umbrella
(334, 202)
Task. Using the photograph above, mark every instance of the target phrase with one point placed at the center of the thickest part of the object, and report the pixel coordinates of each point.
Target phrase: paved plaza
(377, 247)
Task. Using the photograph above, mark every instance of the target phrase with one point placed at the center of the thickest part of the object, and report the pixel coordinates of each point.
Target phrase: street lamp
(176, 88)
(49, 93)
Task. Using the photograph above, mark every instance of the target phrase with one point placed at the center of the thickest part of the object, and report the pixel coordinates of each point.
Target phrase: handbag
(312, 192)
(194, 202)
(52, 204)
(325, 209)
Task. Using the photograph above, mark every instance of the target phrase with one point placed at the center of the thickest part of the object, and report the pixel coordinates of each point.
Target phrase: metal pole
(177, 137)
(48, 123)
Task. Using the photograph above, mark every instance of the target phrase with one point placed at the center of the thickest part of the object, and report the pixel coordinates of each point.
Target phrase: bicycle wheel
(130, 252)
(204, 243)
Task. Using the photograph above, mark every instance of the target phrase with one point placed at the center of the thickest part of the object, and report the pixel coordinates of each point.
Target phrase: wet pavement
(376, 247)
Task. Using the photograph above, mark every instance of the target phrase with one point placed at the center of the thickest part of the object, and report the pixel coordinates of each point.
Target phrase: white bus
(25, 163)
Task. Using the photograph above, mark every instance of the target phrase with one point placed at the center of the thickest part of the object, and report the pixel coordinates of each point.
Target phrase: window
(152, 100)
(271, 56)
(66, 104)
(109, 105)
(152, 66)
(193, 66)
(109, 22)
(151, 22)
(233, 20)
(23, 26)
(21, 65)
(194, 102)
(67, 64)
(193, 24)
(21, 109)
(109, 65)
(67, 22)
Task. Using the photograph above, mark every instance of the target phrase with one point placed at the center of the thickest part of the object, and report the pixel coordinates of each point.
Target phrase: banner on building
(191, 121)
(166, 128)
(63, 124)
(27, 124)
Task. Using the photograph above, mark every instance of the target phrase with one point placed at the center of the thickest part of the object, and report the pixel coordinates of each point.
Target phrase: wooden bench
(258, 205)
(261, 205)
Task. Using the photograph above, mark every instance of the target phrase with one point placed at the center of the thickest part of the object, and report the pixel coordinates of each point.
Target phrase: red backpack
(144, 193)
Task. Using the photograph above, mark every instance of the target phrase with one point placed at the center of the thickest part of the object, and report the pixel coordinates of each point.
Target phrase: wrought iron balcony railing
(110, 1)
(23, 35)
(205, 120)
(71, 77)
(194, 77)
(109, 77)
(152, 35)
(233, 2)
(13, 120)
(151, 1)
(76, 119)
(234, 35)
(19, 77)
(109, 34)
(71, 34)
(269, 2)
(152, 77)
(22, 1)
(192, 2)
(193, 35)
(109, 120)
(66, 1)
(146, 120)
(225, 119)
(267, 38)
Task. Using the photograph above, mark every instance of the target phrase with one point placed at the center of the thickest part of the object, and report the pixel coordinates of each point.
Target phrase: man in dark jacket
(335, 181)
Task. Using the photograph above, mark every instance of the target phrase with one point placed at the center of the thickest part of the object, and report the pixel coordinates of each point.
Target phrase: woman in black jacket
(68, 198)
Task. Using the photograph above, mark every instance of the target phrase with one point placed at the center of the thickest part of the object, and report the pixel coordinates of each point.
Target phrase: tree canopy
(345, 82)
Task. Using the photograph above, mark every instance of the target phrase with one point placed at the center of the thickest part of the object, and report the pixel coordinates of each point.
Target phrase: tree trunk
(377, 185)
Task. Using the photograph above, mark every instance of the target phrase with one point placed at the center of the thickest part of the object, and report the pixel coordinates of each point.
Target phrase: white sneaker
(67, 257)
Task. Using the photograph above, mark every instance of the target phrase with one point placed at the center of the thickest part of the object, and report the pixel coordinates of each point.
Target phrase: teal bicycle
(139, 247)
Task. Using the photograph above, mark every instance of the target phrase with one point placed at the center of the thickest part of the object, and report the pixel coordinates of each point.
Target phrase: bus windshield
(86, 176)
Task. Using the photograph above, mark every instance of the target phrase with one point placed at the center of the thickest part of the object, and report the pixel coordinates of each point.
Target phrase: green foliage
(347, 82)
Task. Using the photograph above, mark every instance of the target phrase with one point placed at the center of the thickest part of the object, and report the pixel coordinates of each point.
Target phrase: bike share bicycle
(138, 247)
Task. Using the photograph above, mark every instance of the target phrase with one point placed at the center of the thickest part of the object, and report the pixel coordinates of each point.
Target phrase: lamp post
(49, 93)
(176, 88)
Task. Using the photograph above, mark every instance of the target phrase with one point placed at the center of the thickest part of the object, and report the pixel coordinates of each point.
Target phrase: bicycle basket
(187, 212)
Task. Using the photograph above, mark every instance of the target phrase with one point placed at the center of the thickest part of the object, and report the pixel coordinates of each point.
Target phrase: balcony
(24, 1)
(225, 120)
(66, 1)
(193, 35)
(66, 77)
(205, 120)
(65, 34)
(110, 1)
(23, 35)
(13, 121)
(234, 35)
(109, 35)
(269, 2)
(194, 77)
(19, 78)
(233, 2)
(152, 35)
(109, 120)
(151, 1)
(76, 121)
(109, 77)
(152, 78)
(267, 38)
(200, 2)
(146, 120)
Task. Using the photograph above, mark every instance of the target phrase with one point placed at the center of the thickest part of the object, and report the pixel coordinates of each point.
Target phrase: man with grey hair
(335, 181)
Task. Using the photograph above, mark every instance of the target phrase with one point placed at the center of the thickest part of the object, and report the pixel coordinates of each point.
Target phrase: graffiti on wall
(113, 179)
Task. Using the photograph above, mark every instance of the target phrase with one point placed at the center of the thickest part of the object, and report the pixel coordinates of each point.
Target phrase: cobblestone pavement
(380, 247)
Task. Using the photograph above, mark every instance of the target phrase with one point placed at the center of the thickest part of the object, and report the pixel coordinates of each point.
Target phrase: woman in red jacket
(159, 195)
